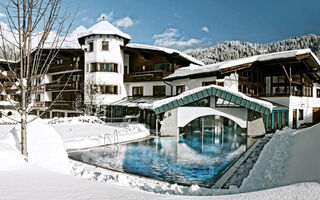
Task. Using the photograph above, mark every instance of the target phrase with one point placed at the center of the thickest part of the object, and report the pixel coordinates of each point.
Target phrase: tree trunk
(24, 150)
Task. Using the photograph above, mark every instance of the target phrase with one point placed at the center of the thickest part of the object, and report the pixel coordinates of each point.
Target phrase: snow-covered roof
(166, 50)
(103, 28)
(162, 102)
(193, 69)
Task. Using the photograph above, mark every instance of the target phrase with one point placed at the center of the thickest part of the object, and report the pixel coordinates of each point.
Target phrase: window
(38, 98)
(137, 91)
(163, 67)
(220, 84)
(300, 114)
(180, 89)
(159, 91)
(208, 83)
(108, 89)
(93, 67)
(90, 46)
(105, 46)
(108, 68)
(87, 67)
(296, 77)
(318, 93)
(114, 68)
(104, 67)
(76, 77)
(200, 103)
(101, 65)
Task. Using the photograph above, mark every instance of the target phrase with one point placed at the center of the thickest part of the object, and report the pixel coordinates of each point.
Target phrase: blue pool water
(197, 157)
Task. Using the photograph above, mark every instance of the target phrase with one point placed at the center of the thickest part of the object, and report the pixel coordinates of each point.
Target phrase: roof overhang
(304, 56)
(162, 50)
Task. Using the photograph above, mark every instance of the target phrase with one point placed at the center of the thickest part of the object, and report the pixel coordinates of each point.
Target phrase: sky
(184, 24)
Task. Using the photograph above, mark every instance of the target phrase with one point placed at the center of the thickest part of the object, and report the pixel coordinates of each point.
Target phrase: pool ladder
(113, 145)
(115, 138)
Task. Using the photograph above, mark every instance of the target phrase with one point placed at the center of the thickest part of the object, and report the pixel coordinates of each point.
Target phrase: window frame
(158, 93)
(139, 90)
(301, 117)
(107, 42)
(90, 46)
(109, 89)
(182, 87)
(102, 67)
(318, 92)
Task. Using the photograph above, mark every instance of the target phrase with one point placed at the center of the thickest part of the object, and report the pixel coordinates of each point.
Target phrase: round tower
(104, 67)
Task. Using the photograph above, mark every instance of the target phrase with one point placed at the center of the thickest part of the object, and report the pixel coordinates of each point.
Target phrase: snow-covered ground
(85, 132)
(288, 168)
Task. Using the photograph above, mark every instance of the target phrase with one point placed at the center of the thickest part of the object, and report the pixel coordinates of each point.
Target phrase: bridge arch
(188, 114)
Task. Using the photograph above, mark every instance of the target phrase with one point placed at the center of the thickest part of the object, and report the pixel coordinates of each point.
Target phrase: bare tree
(36, 29)
(92, 93)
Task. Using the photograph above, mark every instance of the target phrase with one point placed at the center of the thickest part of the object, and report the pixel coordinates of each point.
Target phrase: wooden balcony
(146, 76)
(61, 105)
(62, 86)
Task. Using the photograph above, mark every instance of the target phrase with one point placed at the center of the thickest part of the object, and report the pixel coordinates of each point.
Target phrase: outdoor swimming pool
(197, 157)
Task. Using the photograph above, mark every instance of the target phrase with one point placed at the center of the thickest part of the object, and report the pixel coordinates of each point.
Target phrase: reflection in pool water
(199, 156)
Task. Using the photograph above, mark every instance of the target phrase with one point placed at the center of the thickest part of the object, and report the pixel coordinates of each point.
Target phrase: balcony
(146, 76)
(62, 86)
(61, 105)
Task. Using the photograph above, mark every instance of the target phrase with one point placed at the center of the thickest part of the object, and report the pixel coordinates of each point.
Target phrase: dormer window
(90, 46)
(105, 46)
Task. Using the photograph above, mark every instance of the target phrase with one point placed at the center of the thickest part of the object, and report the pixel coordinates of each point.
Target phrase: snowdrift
(44, 145)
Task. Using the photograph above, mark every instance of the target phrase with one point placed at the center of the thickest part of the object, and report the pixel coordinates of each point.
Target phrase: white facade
(114, 55)
(147, 87)
(93, 76)
(304, 104)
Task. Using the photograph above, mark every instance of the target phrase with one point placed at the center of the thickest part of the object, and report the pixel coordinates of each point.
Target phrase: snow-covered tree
(32, 26)
(231, 50)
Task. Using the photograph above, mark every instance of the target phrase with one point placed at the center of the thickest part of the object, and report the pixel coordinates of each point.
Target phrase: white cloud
(105, 16)
(3, 15)
(172, 38)
(71, 40)
(124, 22)
(88, 20)
(205, 29)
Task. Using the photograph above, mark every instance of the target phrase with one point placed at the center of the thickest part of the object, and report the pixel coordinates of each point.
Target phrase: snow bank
(77, 135)
(271, 165)
(136, 182)
(10, 158)
(44, 145)
(310, 191)
(290, 157)
(76, 120)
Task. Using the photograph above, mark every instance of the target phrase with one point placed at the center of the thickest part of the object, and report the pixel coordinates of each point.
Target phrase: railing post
(272, 121)
(267, 121)
(278, 119)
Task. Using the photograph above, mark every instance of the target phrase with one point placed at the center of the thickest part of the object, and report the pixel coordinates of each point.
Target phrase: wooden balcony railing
(61, 105)
(146, 76)
(62, 86)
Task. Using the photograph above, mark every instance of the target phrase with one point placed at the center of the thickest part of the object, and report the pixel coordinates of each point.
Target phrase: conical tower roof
(103, 28)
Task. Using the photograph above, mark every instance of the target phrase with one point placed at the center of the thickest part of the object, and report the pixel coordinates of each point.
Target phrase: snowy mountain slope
(231, 50)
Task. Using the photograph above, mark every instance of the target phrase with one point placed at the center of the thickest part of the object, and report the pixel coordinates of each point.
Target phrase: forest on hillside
(231, 50)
